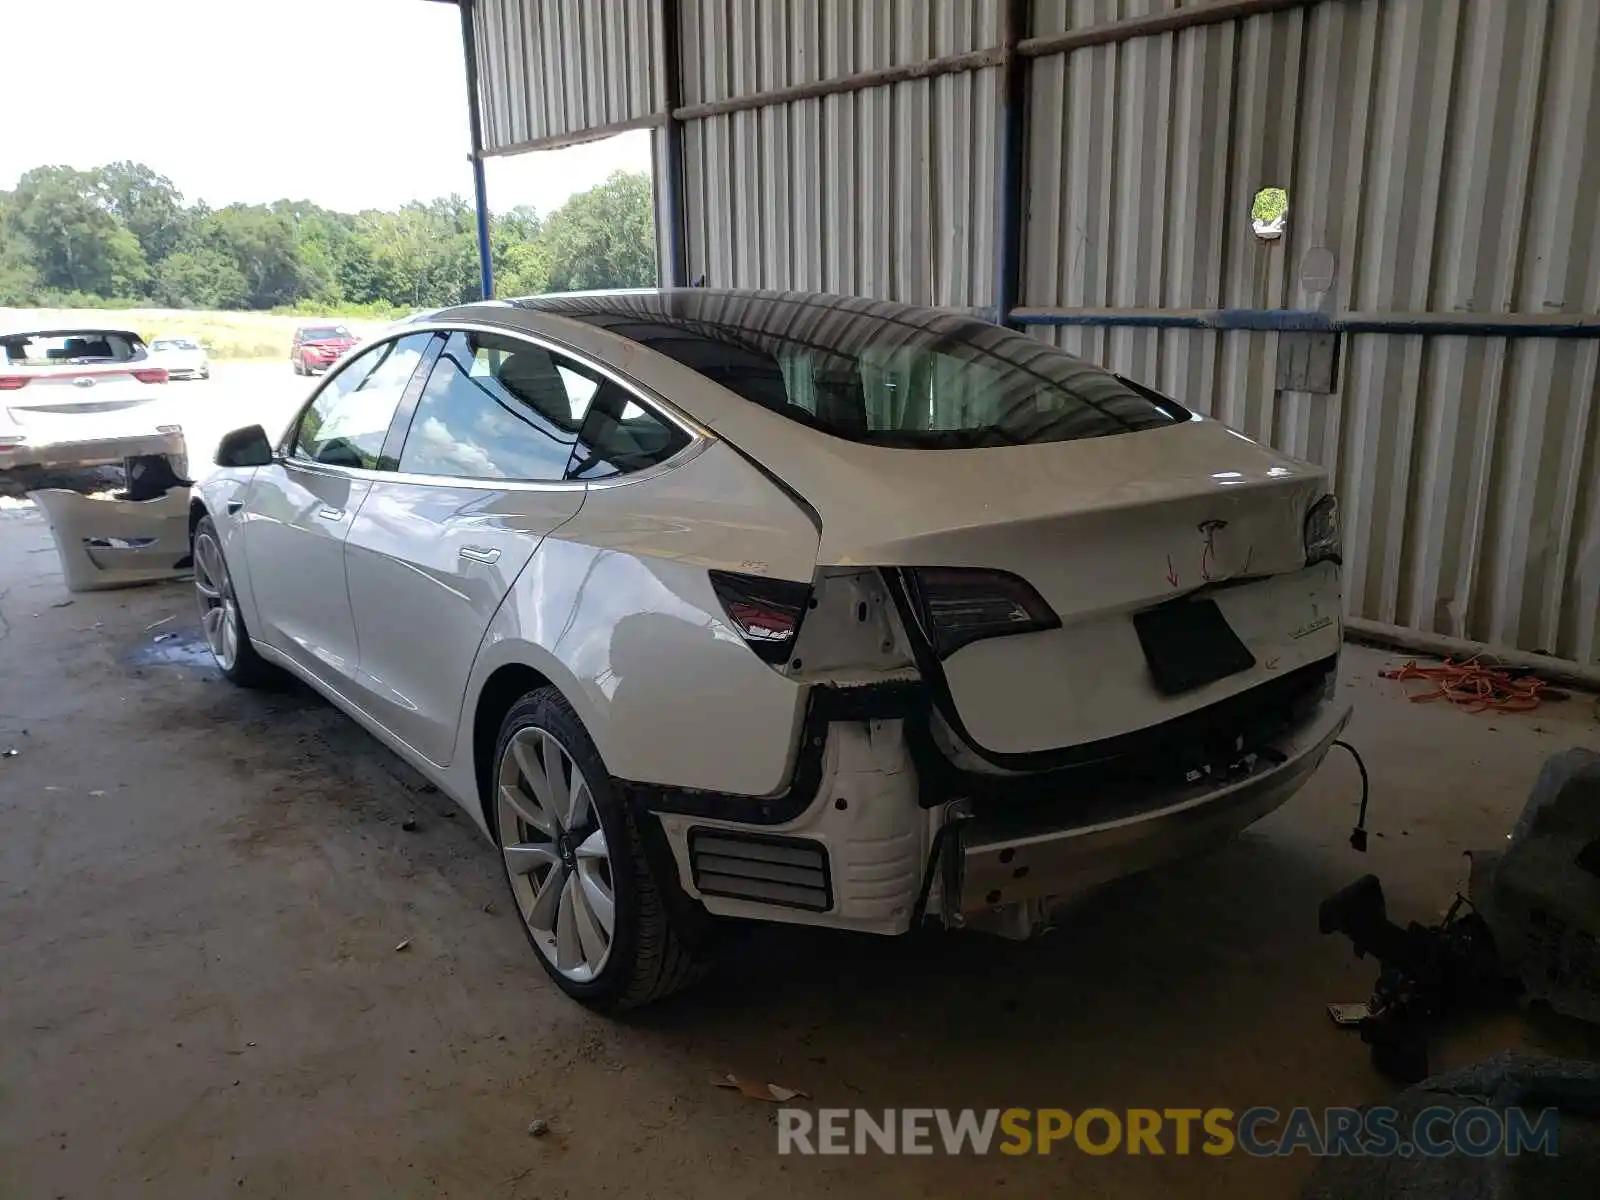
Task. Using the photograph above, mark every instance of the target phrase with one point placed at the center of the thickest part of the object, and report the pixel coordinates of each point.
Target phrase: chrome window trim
(649, 399)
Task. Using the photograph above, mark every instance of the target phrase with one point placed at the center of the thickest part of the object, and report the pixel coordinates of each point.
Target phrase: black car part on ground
(1428, 973)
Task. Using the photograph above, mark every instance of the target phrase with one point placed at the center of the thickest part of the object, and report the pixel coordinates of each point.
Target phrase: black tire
(248, 669)
(651, 954)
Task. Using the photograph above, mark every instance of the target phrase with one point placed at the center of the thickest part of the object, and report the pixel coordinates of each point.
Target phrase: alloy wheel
(219, 611)
(556, 854)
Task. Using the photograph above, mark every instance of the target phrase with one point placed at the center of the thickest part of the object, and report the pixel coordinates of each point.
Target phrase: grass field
(228, 334)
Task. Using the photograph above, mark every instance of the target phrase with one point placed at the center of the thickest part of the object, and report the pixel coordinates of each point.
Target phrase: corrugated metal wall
(553, 68)
(1446, 153)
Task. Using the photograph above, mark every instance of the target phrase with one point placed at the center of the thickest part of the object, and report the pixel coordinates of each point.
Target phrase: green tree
(148, 204)
(72, 239)
(263, 247)
(605, 237)
(200, 278)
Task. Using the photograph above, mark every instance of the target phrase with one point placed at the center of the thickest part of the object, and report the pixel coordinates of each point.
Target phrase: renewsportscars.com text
(1258, 1132)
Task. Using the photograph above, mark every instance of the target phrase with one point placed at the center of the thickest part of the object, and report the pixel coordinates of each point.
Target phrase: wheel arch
(505, 685)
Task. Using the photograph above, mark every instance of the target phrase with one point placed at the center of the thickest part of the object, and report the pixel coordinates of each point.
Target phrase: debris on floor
(1474, 685)
(9, 753)
(409, 825)
(1532, 929)
(538, 1127)
(405, 944)
(154, 624)
(774, 1093)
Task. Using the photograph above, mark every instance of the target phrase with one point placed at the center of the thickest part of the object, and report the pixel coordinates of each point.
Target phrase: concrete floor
(202, 889)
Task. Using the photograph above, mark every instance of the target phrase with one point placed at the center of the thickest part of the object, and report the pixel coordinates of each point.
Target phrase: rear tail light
(10, 383)
(959, 605)
(151, 374)
(766, 612)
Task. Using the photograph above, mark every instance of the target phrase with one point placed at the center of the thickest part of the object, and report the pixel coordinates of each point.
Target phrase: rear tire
(221, 622)
(572, 856)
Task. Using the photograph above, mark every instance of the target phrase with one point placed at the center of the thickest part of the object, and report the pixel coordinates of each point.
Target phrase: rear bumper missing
(885, 842)
(1011, 874)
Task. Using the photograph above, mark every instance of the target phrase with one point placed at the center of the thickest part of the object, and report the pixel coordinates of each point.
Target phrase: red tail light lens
(151, 374)
(10, 383)
(766, 612)
(959, 605)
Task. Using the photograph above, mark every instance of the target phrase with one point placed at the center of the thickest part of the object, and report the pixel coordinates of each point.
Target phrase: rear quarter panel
(616, 609)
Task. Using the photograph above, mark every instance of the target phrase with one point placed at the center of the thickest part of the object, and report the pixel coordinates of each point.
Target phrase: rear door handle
(480, 554)
(332, 514)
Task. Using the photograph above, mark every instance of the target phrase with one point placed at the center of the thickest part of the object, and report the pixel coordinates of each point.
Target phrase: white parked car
(782, 606)
(83, 398)
(183, 357)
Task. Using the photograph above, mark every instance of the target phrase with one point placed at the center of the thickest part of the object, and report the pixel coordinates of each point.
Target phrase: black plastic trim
(809, 845)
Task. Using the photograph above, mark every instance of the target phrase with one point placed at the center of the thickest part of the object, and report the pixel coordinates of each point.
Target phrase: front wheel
(220, 619)
(576, 866)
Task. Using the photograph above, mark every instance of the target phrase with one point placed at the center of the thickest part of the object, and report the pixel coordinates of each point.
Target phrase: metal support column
(480, 193)
(1009, 195)
(673, 237)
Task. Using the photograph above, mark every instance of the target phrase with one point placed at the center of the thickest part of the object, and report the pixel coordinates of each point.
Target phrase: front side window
(497, 408)
(346, 424)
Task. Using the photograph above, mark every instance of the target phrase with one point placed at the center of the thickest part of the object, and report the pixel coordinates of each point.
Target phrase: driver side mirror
(247, 447)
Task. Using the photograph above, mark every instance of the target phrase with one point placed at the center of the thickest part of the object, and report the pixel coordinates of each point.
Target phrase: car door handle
(332, 514)
(480, 554)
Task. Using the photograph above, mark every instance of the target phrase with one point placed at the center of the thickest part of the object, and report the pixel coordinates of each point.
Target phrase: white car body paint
(400, 597)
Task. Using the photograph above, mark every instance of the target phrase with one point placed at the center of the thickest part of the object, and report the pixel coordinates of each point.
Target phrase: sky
(348, 103)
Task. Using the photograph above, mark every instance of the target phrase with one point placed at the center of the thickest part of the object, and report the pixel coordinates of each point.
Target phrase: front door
(303, 505)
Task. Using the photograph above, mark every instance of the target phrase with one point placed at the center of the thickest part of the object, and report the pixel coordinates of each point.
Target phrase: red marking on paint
(1172, 572)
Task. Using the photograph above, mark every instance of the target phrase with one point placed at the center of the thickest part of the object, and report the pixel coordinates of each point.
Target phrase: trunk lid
(1102, 528)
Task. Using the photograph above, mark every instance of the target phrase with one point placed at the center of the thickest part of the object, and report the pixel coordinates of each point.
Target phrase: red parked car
(318, 347)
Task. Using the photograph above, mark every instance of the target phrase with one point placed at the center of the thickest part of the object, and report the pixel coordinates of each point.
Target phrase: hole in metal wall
(1269, 213)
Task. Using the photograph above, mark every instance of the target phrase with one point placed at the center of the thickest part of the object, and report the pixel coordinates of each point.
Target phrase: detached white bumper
(104, 451)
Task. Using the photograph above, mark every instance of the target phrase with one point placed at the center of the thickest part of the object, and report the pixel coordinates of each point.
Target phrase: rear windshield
(884, 374)
(173, 344)
(323, 333)
(87, 346)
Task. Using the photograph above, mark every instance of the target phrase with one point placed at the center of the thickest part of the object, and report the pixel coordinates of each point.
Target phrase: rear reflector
(151, 374)
(791, 872)
(10, 383)
(766, 612)
(959, 605)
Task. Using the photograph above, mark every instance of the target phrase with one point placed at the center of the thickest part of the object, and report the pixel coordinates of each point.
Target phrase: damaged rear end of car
(1060, 630)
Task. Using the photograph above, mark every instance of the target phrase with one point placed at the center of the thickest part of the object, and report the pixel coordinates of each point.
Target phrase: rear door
(480, 479)
(302, 505)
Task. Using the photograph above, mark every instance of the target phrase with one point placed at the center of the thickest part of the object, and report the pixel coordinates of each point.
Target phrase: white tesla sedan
(782, 606)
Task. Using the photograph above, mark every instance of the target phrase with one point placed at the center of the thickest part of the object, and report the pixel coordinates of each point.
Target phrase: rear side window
(885, 374)
(497, 407)
(347, 422)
